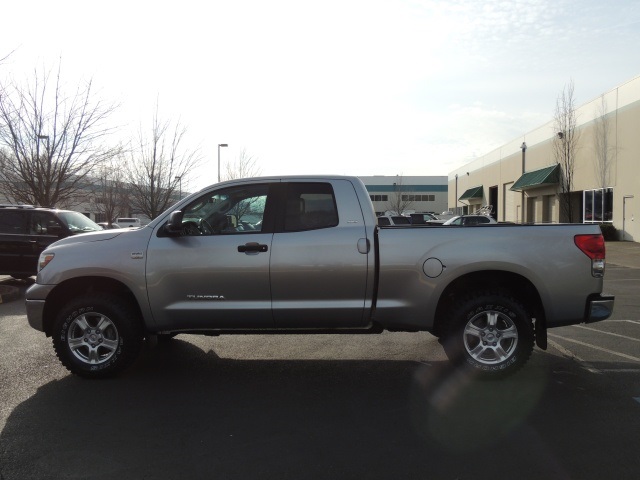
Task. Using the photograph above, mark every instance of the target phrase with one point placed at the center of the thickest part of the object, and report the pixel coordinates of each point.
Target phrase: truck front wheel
(97, 336)
(490, 332)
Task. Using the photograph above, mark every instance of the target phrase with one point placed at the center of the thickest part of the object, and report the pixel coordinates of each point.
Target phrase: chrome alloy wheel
(490, 337)
(93, 338)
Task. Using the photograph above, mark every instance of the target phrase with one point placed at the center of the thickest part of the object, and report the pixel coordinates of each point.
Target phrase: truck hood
(93, 236)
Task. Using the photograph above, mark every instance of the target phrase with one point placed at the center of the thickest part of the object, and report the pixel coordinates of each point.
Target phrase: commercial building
(408, 194)
(521, 179)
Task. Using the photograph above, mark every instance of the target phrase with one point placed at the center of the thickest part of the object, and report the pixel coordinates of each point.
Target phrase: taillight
(593, 247)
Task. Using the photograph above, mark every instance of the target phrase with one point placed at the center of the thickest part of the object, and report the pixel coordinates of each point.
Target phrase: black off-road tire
(490, 332)
(97, 336)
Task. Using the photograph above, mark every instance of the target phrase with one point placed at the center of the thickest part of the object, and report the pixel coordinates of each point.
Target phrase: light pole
(624, 214)
(524, 150)
(220, 145)
(179, 178)
(455, 210)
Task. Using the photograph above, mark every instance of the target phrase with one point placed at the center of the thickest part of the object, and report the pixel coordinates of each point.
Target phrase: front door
(216, 274)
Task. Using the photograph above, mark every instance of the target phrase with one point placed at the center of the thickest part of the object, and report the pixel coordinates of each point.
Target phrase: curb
(8, 293)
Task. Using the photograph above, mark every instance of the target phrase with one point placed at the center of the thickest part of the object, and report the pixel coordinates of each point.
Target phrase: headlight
(44, 260)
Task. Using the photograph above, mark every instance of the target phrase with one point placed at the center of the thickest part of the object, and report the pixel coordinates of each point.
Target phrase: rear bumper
(599, 307)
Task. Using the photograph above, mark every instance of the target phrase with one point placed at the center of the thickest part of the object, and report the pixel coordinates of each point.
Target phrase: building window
(379, 198)
(418, 198)
(598, 205)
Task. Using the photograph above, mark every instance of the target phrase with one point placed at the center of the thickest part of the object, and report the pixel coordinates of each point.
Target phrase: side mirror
(174, 224)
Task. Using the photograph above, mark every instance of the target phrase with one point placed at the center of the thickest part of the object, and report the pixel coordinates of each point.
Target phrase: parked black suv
(25, 231)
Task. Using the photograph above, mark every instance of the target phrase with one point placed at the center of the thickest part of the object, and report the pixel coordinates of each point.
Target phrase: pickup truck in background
(306, 255)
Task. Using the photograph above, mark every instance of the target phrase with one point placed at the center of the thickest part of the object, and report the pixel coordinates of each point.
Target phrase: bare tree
(2, 59)
(245, 166)
(158, 163)
(565, 146)
(399, 201)
(604, 151)
(53, 139)
(110, 198)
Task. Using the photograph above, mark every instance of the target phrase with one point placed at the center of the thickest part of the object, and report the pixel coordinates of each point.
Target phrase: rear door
(14, 242)
(320, 257)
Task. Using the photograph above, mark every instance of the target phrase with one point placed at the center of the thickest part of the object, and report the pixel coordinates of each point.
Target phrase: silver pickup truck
(305, 255)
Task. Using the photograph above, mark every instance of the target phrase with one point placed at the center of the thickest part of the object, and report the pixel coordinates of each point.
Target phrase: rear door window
(14, 222)
(309, 206)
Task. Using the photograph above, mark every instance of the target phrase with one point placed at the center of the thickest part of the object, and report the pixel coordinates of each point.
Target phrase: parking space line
(607, 333)
(569, 353)
(621, 370)
(595, 347)
(636, 322)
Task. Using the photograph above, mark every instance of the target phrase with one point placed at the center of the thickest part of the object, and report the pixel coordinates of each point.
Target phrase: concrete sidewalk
(8, 292)
(624, 254)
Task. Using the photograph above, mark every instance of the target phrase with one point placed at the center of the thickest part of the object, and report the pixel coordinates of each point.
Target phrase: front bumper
(35, 314)
(35, 303)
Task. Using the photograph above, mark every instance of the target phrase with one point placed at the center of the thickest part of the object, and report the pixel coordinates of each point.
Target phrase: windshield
(78, 223)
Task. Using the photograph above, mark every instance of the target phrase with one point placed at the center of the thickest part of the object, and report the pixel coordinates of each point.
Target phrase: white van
(128, 222)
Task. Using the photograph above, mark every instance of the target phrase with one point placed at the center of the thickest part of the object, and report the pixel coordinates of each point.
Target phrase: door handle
(253, 247)
(363, 245)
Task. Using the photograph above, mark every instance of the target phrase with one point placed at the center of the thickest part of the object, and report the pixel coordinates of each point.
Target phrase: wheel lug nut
(494, 344)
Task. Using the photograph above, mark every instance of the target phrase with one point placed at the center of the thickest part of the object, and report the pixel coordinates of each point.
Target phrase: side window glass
(43, 223)
(235, 210)
(12, 221)
(310, 206)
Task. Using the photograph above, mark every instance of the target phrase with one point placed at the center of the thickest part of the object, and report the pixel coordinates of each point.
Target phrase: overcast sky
(370, 87)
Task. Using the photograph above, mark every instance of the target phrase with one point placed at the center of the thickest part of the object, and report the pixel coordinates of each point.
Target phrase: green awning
(475, 192)
(538, 178)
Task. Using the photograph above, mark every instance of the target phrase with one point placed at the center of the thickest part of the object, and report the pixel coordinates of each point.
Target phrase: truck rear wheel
(97, 336)
(491, 332)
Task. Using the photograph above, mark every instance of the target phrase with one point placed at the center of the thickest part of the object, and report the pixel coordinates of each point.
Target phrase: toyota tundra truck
(306, 255)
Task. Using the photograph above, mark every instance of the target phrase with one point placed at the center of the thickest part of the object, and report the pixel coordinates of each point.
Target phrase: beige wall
(503, 166)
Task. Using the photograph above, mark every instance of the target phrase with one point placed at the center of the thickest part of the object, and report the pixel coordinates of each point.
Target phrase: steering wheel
(205, 227)
(190, 229)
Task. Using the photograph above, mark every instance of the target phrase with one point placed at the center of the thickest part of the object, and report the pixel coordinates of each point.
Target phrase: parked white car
(393, 220)
(467, 220)
(128, 222)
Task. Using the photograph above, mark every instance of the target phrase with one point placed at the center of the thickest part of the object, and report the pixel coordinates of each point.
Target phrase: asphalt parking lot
(617, 339)
(288, 407)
